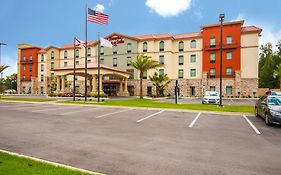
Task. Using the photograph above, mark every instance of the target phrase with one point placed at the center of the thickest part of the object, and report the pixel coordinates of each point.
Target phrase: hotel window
(212, 57)
(192, 72)
(161, 59)
(89, 51)
(77, 53)
(42, 67)
(52, 76)
(180, 59)
(30, 58)
(229, 71)
(212, 88)
(229, 55)
(24, 77)
(42, 77)
(102, 61)
(65, 54)
(129, 59)
(144, 47)
(180, 73)
(212, 73)
(52, 55)
(24, 58)
(131, 71)
(192, 58)
(114, 62)
(181, 46)
(161, 46)
(88, 61)
(65, 64)
(76, 62)
(42, 58)
(101, 50)
(161, 71)
(144, 75)
(193, 44)
(229, 40)
(42, 90)
(52, 65)
(129, 48)
(212, 42)
(114, 49)
(228, 90)
(23, 67)
(30, 67)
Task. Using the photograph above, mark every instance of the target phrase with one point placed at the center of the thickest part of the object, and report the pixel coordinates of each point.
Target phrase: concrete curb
(51, 163)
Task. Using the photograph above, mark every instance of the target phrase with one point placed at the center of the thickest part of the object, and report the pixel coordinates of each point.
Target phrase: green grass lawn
(14, 165)
(26, 99)
(156, 104)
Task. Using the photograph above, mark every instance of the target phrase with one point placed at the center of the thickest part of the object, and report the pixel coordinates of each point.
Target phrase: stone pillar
(58, 84)
(62, 84)
(121, 86)
(126, 85)
(94, 84)
(101, 91)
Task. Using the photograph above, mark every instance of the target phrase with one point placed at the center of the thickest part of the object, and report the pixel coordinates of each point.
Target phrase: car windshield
(215, 94)
(274, 101)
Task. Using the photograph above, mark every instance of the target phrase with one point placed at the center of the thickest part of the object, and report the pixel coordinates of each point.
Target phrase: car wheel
(256, 112)
(266, 118)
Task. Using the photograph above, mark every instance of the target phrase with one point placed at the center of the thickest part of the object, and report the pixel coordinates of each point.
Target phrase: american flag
(97, 17)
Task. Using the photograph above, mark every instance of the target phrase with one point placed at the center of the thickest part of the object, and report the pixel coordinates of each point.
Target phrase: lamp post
(221, 20)
(1, 44)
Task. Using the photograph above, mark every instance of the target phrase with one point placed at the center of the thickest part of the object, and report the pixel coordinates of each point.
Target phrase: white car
(211, 97)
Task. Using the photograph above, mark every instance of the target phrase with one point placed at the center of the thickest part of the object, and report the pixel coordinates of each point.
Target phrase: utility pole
(221, 38)
(1, 86)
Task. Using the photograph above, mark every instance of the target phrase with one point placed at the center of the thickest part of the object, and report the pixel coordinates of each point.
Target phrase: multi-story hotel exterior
(191, 58)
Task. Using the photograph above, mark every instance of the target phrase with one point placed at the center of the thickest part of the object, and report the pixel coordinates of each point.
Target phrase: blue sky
(56, 22)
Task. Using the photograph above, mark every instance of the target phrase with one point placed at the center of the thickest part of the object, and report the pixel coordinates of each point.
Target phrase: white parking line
(72, 112)
(100, 116)
(251, 124)
(194, 120)
(140, 120)
(20, 107)
(50, 109)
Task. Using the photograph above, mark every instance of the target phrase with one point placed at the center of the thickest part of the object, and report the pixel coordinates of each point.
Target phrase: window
(161, 59)
(229, 71)
(144, 47)
(114, 49)
(193, 44)
(42, 89)
(24, 58)
(52, 76)
(89, 51)
(30, 58)
(52, 65)
(42, 58)
(52, 55)
(65, 54)
(180, 59)
(129, 48)
(212, 42)
(161, 46)
(65, 64)
(212, 88)
(102, 61)
(101, 50)
(30, 67)
(88, 61)
(181, 46)
(131, 71)
(212, 73)
(129, 59)
(77, 53)
(42, 67)
(23, 67)
(114, 62)
(180, 73)
(144, 75)
(228, 90)
(229, 40)
(161, 71)
(212, 57)
(229, 55)
(76, 62)
(24, 77)
(192, 58)
(192, 72)
(42, 77)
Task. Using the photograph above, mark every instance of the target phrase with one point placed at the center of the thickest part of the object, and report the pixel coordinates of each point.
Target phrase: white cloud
(168, 7)
(269, 31)
(99, 8)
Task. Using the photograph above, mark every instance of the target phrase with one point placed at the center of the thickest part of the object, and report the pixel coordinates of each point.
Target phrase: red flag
(79, 43)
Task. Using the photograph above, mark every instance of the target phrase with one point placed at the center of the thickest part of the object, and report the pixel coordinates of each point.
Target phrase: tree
(11, 82)
(143, 64)
(2, 68)
(160, 82)
(277, 73)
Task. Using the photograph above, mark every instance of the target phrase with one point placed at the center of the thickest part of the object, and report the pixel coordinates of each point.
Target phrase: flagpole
(86, 48)
(74, 67)
(99, 67)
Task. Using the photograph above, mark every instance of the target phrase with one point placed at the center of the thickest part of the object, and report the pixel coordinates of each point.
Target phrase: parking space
(141, 141)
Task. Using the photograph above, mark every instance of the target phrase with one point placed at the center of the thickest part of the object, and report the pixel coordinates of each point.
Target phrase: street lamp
(221, 20)
(1, 44)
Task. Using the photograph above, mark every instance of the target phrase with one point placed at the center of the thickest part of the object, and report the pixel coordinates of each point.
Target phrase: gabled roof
(42, 51)
(249, 29)
(119, 34)
(187, 35)
(241, 22)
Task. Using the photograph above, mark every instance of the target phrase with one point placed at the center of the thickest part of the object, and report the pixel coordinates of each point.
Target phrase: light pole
(221, 20)
(1, 44)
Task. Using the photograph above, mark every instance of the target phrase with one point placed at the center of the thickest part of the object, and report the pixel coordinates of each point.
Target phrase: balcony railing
(223, 75)
(25, 79)
(216, 46)
(26, 61)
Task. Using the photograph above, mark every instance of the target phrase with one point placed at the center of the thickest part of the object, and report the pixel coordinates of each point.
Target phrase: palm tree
(143, 64)
(2, 68)
(160, 82)
(277, 73)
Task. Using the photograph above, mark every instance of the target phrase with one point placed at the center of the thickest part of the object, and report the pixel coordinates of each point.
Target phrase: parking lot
(123, 141)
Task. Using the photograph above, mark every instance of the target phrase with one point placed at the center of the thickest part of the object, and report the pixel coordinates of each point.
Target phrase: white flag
(79, 43)
(104, 42)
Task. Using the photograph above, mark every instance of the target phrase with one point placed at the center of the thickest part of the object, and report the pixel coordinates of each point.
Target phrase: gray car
(269, 108)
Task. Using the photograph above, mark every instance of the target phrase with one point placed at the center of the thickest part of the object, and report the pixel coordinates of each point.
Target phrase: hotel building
(191, 58)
